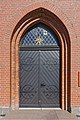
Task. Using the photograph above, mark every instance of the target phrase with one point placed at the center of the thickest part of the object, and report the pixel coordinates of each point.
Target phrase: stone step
(40, 115)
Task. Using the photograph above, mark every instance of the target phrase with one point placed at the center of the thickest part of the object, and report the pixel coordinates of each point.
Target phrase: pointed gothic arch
(51, 20)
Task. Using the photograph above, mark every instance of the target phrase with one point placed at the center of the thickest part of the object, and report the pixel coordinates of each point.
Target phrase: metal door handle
(42, 85)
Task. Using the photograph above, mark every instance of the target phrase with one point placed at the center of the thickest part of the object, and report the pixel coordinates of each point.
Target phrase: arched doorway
(50, 19)
(40, 68)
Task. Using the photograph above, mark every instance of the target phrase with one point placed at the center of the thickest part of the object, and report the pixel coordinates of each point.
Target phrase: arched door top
(39, 35)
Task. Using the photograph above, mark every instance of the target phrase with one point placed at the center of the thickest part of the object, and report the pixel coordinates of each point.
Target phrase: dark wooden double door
(39, 78)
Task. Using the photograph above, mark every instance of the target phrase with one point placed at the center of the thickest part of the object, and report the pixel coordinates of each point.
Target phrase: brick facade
(63, 16)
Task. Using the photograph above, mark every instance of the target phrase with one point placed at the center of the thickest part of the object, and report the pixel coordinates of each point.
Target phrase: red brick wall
(11, 11)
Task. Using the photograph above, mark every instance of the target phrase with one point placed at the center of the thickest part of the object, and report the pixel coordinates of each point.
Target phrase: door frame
(59, 28)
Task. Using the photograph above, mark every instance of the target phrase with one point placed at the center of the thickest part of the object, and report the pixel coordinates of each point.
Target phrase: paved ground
(40, 115)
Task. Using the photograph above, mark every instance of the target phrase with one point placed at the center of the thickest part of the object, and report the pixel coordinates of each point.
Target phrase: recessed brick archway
(51, 20)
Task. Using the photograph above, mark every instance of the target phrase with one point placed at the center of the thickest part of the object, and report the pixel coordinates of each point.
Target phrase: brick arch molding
(50, 19)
